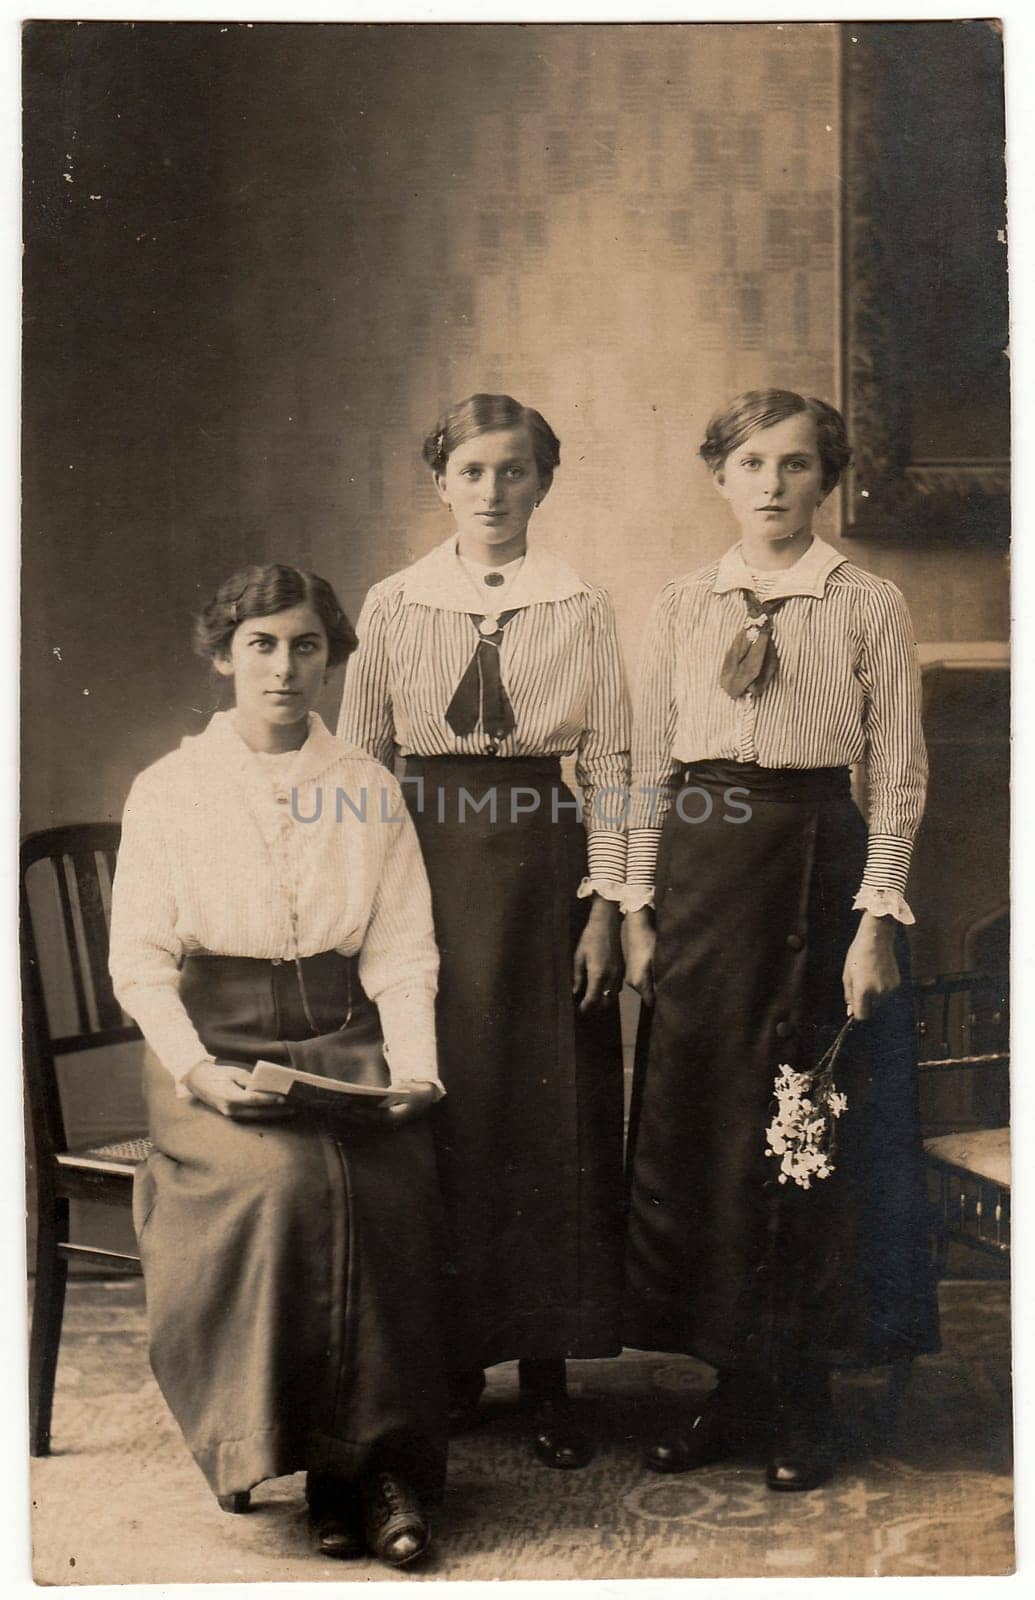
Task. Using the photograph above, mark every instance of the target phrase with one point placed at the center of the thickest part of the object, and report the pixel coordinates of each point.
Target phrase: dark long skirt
(724, 1262)
(292, 1269)
(529, 1135)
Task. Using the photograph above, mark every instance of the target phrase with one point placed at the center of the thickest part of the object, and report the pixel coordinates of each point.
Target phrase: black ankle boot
(559, 1435)
(335, 1516)
(801, 1455)
(736, 1412)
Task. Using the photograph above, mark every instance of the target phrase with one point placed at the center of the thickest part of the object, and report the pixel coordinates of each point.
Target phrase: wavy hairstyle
(764, 408)
(262, 591)
(485, 413)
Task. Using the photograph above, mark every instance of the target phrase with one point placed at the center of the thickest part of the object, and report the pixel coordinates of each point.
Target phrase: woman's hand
(597, 968)
(639, 953)
(870, 970)
(421, 1097)
(224, 1085)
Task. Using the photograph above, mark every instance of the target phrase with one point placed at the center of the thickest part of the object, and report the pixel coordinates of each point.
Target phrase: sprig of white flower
(801, 1134)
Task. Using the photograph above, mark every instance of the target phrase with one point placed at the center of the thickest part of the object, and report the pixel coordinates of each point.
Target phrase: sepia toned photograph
(515, 800)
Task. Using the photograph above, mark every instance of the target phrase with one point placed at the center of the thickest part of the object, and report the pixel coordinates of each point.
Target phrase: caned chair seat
(121, 1156)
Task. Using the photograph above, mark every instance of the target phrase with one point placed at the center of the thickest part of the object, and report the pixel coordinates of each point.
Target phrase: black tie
(480, 693)
(751, 659)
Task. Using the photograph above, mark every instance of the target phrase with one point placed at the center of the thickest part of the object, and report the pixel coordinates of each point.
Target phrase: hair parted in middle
(262, 591)
(764, 408)
(486, 413)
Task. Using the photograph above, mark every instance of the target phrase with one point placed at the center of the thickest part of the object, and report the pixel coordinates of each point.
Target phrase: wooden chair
(69, 1010)
(963, 1030)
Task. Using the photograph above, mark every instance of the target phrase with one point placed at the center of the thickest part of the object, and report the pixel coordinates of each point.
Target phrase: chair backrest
(67, 997)
(963, 1027)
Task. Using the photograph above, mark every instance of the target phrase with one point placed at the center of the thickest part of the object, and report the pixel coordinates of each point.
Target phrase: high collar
(221, 743)
(808, 575)
(438, 580)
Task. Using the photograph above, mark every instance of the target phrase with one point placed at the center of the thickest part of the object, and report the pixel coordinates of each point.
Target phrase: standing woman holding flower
(483, 664)
(778, 916)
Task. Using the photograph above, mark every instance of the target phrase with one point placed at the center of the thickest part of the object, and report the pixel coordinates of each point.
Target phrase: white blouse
(560, 663)
(225, 852)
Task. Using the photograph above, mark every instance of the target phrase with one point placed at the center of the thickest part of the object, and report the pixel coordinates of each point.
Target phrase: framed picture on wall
(924, 294)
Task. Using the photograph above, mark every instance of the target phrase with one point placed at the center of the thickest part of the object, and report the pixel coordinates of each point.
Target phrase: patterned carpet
(120, 1501)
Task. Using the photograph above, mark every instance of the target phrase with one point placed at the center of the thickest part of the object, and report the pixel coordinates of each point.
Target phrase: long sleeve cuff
(407, 1015)
(642, 856)
(884, 879)
(883, 903)
(160, 1015)
(605, 853)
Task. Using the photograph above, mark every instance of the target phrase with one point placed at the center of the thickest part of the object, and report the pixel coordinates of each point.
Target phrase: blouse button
(795, 941)
(785, 1029)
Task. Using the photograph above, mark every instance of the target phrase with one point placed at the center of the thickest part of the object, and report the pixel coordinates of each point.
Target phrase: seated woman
(269, 881)
(755, 1245)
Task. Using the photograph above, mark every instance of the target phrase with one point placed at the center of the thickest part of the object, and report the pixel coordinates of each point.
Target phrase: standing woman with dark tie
(483, 664)
(777, 1208)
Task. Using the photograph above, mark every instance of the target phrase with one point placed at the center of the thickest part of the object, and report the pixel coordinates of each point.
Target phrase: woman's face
(279, 665)
(491, 483)
(774, 480)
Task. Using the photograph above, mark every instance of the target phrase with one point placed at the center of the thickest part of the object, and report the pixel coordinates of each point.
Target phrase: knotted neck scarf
(750, 661)
(480, 693)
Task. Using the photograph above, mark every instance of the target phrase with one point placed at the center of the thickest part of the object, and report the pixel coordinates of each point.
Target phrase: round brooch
(493, 579)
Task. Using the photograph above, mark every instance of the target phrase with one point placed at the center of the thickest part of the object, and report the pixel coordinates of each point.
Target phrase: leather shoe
(335, 1516)
(734, 1413)
(559, 1438)
(703, 1442)
(801, 1456)
(237, 1503)
(396, 1527)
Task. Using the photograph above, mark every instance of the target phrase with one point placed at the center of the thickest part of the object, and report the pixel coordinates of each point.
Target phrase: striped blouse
(846, 692)
(561, 667)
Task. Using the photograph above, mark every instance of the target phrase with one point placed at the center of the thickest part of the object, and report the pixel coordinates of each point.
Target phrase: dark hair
(484, 413)
(764, 408)
(261, 591)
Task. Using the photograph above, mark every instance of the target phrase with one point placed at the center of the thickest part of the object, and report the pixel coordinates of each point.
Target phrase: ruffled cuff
(635, 896)
(883, 903)
(604, 887)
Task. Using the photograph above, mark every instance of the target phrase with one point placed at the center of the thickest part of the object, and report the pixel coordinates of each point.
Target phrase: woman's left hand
(870, 971)
(421, 1097)
(598, 966)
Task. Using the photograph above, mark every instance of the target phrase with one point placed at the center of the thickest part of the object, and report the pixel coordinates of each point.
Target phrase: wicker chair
(69, 1011)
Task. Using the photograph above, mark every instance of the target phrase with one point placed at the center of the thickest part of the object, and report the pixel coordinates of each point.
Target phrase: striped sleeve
(366, 718)
(896, 757)
(654, 730)
(602, 754)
